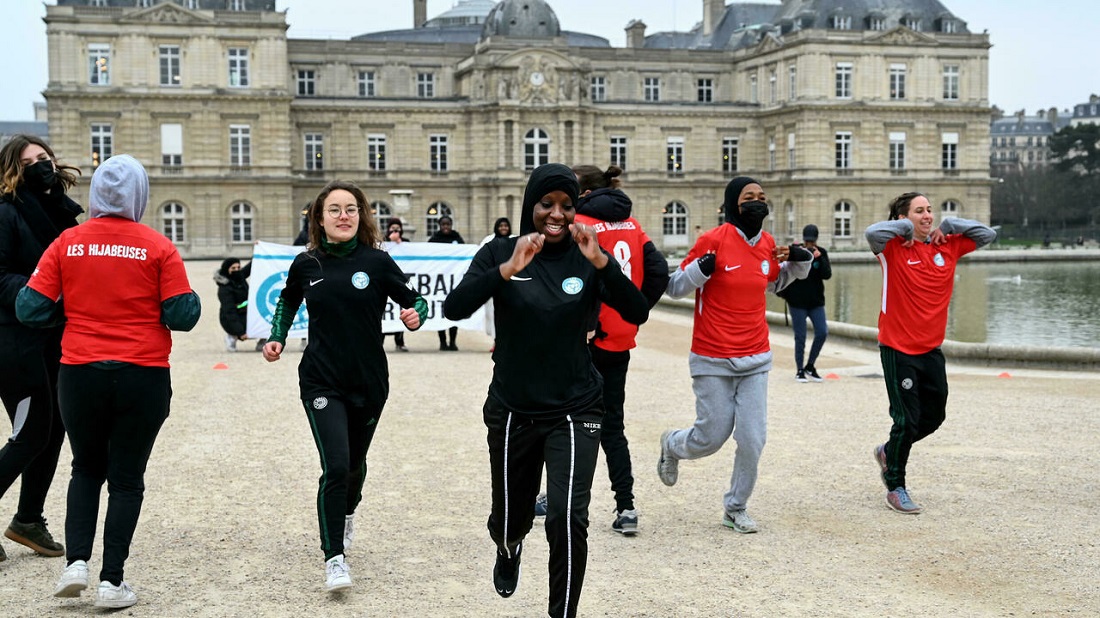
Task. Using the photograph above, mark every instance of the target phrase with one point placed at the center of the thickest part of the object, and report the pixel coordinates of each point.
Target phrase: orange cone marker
(1004, 374)
(221, 366)
(832, 376)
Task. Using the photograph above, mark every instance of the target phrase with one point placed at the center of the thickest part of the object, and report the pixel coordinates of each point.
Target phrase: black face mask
(40, 177)
(236, 276)
(751, 217)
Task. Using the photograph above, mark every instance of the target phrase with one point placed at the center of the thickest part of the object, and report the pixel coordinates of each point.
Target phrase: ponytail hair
(591, 177)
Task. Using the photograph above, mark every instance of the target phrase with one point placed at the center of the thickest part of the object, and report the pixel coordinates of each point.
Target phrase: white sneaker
(74, 579)
(110, 595)
(349, 530)
(230, 343)
(337, 574)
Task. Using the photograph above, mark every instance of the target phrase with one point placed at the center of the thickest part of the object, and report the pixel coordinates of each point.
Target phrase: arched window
(842, 219)
(173, 218)
(674, 224)
(950, 210)
(536, 149)
(382, 213)
(240, 222)
(431, 220)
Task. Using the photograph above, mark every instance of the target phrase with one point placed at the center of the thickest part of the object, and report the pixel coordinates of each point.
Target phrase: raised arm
(878, 234)
(980, 233)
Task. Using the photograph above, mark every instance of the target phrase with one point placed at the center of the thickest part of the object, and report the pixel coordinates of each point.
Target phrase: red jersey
(916, 290)
(113, 274)
(729, 308)
(624, 240)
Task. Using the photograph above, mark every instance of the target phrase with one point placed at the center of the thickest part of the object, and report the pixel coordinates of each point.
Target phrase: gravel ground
(1009, 487)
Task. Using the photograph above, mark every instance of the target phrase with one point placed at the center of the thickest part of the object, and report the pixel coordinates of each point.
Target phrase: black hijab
(546, 179)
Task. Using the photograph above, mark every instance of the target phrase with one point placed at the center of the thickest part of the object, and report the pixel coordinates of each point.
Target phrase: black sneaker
(540, 505)
(801, 376)
(811, 373)
(506, 572)
(626, 522)
(35, 536)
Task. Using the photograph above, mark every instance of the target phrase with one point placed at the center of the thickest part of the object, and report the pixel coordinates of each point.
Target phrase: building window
(842, 220)
(192, 4)
(366, 84)
(950, 151)
(949, 26)
(651, 89)
(307, 83)
(951, 82)
(729, 155)
(897, 81)
(792, 82)
(771, 153)
(950, 210)
(173, 219)
(897, 151)
(674, 223)
(240, 145)
(437, 147)
(238, 67)
(841, 22)
(705, 90)
(382, 213)
(754, 94)
(790, 151)
(597, 88)
(425, 85)
(314, 151)
(102, 143)
(913, 23)
(240, 222)
(843, 141)
(788, 208)
(618, 151)
(236, 5)
(773, 86)
(98, 3)
(376, 153)
(536, 149)
(431, 219)
(844, 80)
(169, 65)
(877, 23)
(99, 64)
(675, 150)
(171, 147)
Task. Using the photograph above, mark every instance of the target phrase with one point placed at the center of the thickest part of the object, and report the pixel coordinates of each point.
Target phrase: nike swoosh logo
(911, 262)
(313, 283)
(515, 278)
(729, 268)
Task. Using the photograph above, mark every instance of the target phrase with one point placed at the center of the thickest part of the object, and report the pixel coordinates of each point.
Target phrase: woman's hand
(585, 237)
(527, 247)
(410, 318)
(272, 351)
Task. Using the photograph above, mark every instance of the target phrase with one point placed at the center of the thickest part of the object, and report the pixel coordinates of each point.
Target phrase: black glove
(800, 254)
(706, 263)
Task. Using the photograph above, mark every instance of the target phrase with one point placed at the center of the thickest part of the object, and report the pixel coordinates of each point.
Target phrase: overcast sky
(1043, 55)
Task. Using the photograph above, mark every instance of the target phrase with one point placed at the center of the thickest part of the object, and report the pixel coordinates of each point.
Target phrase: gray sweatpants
(731, 398)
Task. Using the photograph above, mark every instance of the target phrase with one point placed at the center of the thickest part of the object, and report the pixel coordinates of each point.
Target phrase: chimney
(1041, 114)
(712, 14)
(1052, 116)
(420, 13)
(635, 34)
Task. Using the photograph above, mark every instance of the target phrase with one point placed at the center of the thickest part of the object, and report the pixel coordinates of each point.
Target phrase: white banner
(433, 269)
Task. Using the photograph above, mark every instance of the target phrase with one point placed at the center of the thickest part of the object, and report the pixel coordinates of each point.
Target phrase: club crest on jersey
(572, 285)
(360, 280)
(320, 403)
(938, 259)
(907, 383)
(765, 267)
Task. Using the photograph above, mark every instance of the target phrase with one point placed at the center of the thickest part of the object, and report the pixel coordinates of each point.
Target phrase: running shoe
(739, 521)
(668, 467)
(337, 574)
(899, 501)
(811, 372)
(626, 522)
(540, 505)
(112, 596)
(506, 572)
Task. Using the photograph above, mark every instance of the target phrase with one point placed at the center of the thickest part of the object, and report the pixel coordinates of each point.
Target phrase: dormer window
(949, 26)
(840, 22)
(913, 23)
(876, 22)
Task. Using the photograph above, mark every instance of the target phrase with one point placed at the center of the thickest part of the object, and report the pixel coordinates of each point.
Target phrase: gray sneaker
(668, 467)
(900, 501)
(626, 522)
(739, 521)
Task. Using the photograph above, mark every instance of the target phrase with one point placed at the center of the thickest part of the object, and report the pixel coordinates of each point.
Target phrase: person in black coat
(447, 234)
(806, 299)
(232, 283)
(34, 210)
(395, 233)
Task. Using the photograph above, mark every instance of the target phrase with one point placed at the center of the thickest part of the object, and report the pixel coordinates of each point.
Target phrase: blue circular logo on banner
(267, 296)
(360, 280)
(572, 285)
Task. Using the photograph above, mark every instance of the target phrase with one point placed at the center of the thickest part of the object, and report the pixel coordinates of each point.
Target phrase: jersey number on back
(622, 254)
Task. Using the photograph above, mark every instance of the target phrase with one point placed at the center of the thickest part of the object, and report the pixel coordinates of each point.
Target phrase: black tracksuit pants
(613, 366)
(342, 433)
(28, 387)
(917, 387)
(112, 417)
(519, 447)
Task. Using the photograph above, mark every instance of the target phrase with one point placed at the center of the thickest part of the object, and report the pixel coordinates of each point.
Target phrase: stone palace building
(835, 106)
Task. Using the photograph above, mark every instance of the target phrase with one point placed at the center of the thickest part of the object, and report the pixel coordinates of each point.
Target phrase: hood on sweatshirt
(606, 204)
(546, 179)
(120, 188)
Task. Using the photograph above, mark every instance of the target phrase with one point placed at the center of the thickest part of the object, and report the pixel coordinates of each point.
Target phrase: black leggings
(917, 386)
(343, 434)
(612, 366)
(112, 417)
(28, 387)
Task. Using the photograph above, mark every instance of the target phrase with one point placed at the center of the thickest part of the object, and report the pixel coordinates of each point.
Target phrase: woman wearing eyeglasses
(345, 279)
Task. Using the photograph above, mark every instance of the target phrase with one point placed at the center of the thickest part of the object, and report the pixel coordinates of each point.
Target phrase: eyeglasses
(335, 211)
